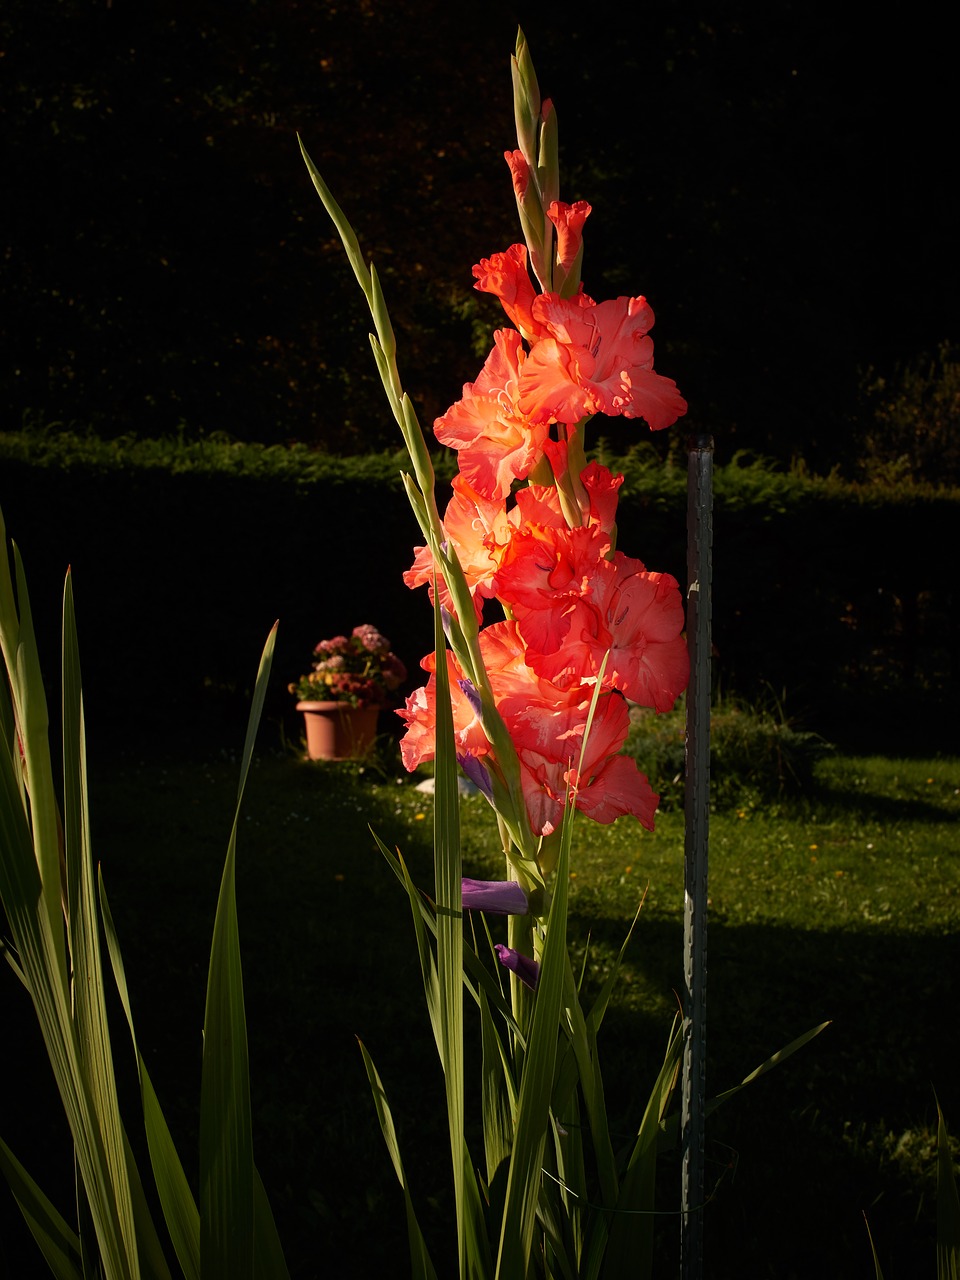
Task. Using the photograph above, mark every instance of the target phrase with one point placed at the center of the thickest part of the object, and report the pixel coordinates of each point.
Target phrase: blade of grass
(599, 1007)
(873, 1250)
(268, 1251)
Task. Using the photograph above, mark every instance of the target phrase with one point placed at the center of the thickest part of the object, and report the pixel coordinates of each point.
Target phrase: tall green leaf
(58, 1242)
(89, 1004)
(31, 720)
(30, 889)
(448, 888)
(176, 1199)
(228, 1181)
(421, 1267)
(448, 878)
(526, 1161)
(498, 1094)
(630, 1228)
(477, 977)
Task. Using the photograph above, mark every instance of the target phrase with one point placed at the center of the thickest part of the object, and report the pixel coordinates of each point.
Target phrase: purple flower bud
(477, 772)
(446, 617)
(499, 897)
(469, 690)
(527, 970)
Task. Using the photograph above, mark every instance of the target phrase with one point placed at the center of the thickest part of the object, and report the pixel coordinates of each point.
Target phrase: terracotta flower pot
(338, 731)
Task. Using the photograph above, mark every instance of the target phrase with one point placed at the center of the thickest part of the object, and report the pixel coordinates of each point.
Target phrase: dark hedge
(839, 599)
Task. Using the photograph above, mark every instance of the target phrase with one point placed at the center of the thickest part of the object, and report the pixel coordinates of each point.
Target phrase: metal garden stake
(697, 813)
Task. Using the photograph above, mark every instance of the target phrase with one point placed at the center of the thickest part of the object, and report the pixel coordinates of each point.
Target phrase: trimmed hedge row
(841, 597)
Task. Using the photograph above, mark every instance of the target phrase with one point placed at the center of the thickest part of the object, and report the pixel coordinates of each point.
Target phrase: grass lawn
(841, 906)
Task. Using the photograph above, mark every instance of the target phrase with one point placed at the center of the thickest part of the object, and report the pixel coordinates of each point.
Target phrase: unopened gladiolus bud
(533, 219)
(446, 617)
(469, 691)
(477, 772)
(568, 220)
(519, 171)
(548, 164)
(526, 97)
(527, 970)
(498, 897)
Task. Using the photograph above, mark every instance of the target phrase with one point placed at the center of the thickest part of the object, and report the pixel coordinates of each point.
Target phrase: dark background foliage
(775, 178)
(184, 555)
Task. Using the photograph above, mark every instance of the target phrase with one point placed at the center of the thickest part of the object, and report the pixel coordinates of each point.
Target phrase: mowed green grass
(842, 905)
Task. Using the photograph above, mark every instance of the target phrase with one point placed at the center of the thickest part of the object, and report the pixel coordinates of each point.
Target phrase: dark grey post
(693, 1091)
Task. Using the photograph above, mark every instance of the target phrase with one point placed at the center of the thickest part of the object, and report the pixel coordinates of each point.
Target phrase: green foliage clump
(756, 755)
(64, 448)
(909, 424)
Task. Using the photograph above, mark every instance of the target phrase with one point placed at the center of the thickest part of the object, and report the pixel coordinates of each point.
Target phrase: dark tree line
(775, 178)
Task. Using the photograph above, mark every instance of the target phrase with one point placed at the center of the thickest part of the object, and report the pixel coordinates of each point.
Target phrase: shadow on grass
(873, 805)
(329, 955)
(845, 1126)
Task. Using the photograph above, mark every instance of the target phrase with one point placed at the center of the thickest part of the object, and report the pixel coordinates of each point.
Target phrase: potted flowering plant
(342, 693)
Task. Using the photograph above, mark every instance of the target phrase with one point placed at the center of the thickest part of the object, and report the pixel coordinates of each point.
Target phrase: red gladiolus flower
(475, 527)
(497, 443)
(549, 738)
(505, 275)
(635, 615)
(420, 716)
(643, 613)
(547, 725)
(596, 358)
(545, 572)
(618, 788)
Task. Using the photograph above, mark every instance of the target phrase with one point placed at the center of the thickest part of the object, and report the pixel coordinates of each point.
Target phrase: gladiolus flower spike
(532, 527)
